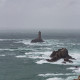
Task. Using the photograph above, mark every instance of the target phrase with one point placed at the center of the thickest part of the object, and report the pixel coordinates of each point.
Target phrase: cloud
(2, 2)
(40, 14)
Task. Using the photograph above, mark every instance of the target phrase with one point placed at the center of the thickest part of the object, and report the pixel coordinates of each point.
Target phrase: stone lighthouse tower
(39, 35)
(38, 39)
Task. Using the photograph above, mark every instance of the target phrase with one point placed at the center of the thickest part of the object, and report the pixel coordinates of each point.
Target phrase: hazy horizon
(21, 16)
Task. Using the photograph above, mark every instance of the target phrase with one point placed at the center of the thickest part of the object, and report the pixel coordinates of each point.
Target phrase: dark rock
(39, 39)
(76, 66)
(64, 62)
(67, 60)
(61, 53)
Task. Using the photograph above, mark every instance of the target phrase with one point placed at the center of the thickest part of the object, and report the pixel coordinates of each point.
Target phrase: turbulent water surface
(22, 60)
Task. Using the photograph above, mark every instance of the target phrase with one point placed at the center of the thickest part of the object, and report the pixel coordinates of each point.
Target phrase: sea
(22, 60)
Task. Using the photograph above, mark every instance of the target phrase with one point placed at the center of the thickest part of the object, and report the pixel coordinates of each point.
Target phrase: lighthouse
(38, 39)
(39, 35)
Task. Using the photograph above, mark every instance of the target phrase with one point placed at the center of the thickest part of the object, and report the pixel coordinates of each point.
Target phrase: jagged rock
(39, 39)
(61, 53)
(78, 78)
(67, 60)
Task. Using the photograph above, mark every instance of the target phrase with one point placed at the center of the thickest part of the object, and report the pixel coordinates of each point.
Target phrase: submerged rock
(78, 78)
(39, 39)
(61, 53)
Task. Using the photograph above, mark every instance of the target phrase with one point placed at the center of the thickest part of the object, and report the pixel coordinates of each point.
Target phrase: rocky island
(60, 54)
(38, 39)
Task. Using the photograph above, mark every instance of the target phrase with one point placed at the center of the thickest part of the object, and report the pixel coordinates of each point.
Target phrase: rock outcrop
(60, 54)
(78, 78)
(39, 39)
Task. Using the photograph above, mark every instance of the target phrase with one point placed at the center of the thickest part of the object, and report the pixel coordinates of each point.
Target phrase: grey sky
(26, 15)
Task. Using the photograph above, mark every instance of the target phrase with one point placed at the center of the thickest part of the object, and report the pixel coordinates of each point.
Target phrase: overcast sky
(32, 15)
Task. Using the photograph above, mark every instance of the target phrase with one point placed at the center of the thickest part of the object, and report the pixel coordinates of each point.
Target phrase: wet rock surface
(60, 54)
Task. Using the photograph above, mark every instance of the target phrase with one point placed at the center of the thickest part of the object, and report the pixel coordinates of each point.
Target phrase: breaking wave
(55, 78)
(2, 55)
(52, 74)
(68, 78)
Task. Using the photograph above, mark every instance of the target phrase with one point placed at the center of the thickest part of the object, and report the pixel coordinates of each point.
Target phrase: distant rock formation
(78, 78)
(61, 53)
(38, 39)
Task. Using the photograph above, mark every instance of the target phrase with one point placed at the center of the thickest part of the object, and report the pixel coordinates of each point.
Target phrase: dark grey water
(22, 60)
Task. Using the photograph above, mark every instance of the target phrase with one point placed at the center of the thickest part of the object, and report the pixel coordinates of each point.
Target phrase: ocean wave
(7, 49)
(68, 78)
(10, 39)
(38, 55)
(71, 76)
(21, 56)
(76, 70)
(14, 49)
(74, 55)
(41, 61)
(42, 56)
(44, 53)
(72, 68)
(44, 61)
(28, 42)
(55, 78)
(2, 55)
(52, 74)
(35, 57)
(77, 57)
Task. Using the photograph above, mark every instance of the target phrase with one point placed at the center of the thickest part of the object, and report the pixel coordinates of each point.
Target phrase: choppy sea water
(22, 60)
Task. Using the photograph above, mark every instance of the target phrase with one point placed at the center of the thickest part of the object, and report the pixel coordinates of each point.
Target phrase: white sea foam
(21, 56)
(60, 74)
(72, 68)
(77, 70)
(28, 42)
(55, 78)
(44, 53)
(35, 57)
(7, 49)
(2, 55)
(41, 62)
(71, 78)
(38, 55)
(77, 57)
(52, 74)
(9, 39)
(44, 61)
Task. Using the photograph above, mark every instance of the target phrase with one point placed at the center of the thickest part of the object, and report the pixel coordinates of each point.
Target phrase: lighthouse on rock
(38, 39)
(39, 35)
